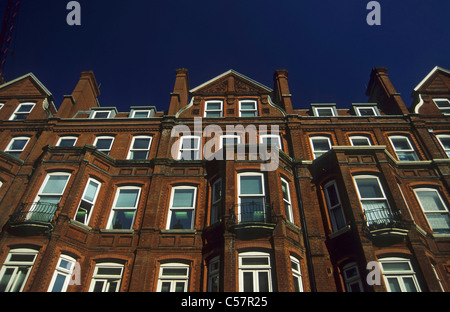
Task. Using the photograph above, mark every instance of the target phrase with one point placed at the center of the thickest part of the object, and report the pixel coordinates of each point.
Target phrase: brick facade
(115, 217)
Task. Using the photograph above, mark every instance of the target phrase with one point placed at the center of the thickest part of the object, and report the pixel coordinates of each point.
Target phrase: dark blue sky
(134, 46)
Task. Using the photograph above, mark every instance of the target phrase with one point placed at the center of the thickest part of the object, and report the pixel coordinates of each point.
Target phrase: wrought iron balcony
(32, 218)
(251, 219)
(382, 221)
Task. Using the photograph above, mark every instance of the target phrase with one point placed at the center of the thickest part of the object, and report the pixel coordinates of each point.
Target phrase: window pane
(127, 198)
(366, 112)
(396, 266)
(98, 287)
(407, 156)
(248, 282)
(248, 105)
(101, 115)
(136, 155)
(360, 142)
(248, 114)
(5, 279)
(141, 114)
(179, 287)
(393, 284)
(55, 184)
(141, 143)
(263, 279)
(18, 144)
(181, 219)
(401, 144)
(20, 280)
(67, 142)
(430, 201)
(21, 258)
(369, 188)
(59, 283)
(321, 145)
(174, 272)
(104, 143)
(25, 108)
(113, 286)
(190, 143)
(440, 223)
(183, 198)
(213, 114)
(255, 261)
(109, 271)
(165, 287)
(123, 219)
(445, 142)
(65, 264)
(251, 185)
(214, 106)
(409, 284)
(325, 111)
(91, 191)
(332, 195)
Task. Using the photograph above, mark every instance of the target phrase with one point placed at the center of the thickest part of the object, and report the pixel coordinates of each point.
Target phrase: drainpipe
(312, 278)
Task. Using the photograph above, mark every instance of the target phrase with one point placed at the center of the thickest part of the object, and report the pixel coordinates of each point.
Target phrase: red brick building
(232, 189)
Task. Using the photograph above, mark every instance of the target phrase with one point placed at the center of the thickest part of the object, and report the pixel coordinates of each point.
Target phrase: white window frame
(115, 209)
(16, 283)
(95, 112)
(44, 184)
(296, 274)
(255, 269)
(334, 210)
(350, 273)
(220, 111)
(190, 208)
(16, 112)
(173, 279)
(410, 150)
(277, 137)
(65, 272)
(447, 137)
(372, 108)
(398, 275)
(197, 150)
(229, 136)
(317, 111)
(427, 213)
(134, 111)
(107, 151)
(88, 202)
(13, 152)
(362, 200)
(68, 137)
(1, 105)
(255, 109)
(438, 277)
(214, 274)
(107, 279)
(132, 150)
(360, 137)
(444, 110)
(317, 154)
(287, 202)
(216, 202)
(241, 196)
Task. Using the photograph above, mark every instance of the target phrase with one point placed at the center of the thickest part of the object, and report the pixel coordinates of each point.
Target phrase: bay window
(435, 210)
(403, 148)
(87, 202)
(334, 206)
(251, 197)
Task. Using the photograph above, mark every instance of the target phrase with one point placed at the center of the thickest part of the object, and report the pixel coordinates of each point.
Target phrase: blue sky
(134, 46)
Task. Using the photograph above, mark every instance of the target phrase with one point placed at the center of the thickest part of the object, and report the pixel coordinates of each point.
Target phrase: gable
(230, 82)
(438, 80)
(25, 86)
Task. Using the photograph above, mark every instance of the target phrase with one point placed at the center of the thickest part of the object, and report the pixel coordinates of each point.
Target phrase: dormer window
(443, 105)
(213, 108)
(366, 109)
(324, 110)
(142, 112)
(103, 113)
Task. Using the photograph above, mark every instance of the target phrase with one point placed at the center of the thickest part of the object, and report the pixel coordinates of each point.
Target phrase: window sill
(80, 225)
(178, 231)
(339, 232)
(117, 231)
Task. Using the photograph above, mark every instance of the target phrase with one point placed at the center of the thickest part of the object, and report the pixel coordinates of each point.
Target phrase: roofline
(32, 76)
(232, 72)
(436, 68)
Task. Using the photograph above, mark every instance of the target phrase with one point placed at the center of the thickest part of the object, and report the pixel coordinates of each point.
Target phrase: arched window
(173, 277)
(255, 272)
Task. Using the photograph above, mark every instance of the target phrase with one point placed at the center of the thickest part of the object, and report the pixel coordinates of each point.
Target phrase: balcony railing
(383, 220)
(252, 212)
(33, 216)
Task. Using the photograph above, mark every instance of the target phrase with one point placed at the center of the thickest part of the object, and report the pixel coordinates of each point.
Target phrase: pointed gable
(434, 87)
(25, 86)
(231, 82)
